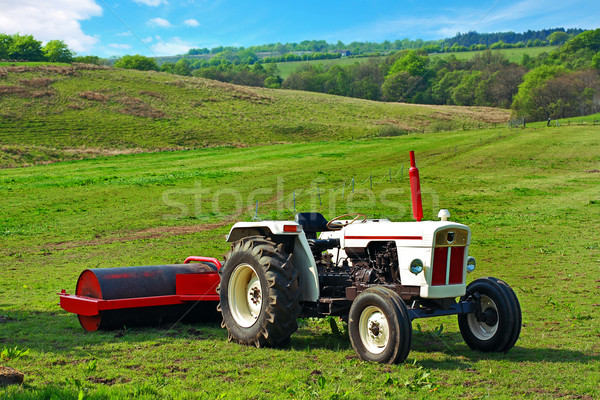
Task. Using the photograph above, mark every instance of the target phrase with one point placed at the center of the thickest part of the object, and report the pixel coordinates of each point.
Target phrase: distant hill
(52, 113)
(460, 42)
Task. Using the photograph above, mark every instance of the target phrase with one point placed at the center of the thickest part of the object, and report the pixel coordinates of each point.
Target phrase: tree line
(559, 84)
(460, 41)
(529, 38)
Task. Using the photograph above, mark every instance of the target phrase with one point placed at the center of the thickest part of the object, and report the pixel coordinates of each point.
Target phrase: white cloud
(119, 46)
(151, 3)
(147, 40)
(48, 20)
(191, 22)
(159, 22)
(171, 47)
(125, 33)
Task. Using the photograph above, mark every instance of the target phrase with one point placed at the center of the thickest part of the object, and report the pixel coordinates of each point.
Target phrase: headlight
(471, 264)
(416, 266)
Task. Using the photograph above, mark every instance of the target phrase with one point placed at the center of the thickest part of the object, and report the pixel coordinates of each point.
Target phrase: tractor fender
(302, 257)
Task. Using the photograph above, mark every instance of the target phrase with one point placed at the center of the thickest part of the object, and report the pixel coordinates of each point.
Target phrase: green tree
(168, 67)
(247, 56)
(57, 51)
(89, 60)
(523, 103)
(444, 84)
(273, 82)
(25, 48)
(596, 61)
(183, 67)
(273, 70)
(411, 62)
(557, 38)
(589, 40)
(367, 80)
(138, 62)
(5, 44)
(464, 94)
(568, 94)
(402, 86)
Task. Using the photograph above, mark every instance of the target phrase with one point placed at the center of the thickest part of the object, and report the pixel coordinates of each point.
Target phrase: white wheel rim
(373, 329)
(482, 330)
(245, 295)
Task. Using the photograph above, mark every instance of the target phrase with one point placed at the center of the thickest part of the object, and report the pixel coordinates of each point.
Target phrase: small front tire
(379, 327)
(497, 327)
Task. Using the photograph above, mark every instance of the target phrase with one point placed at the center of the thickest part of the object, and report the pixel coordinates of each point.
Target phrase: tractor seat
(312, 222)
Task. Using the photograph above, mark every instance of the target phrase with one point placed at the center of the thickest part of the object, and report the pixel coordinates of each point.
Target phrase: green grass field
(513, 55)
(53, 113)
(531, 197)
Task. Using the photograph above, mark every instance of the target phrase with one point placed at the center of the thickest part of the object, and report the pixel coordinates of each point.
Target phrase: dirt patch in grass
(103, 381)
(53, 69)
(484, 114)
(42, 93)
(150, 233)
(138, 108)
(156, 95)
(94, 96)
(36, 82)
(12, 90)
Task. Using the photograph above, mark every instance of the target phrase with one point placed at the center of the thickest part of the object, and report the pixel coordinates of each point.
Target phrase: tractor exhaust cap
(444, 214)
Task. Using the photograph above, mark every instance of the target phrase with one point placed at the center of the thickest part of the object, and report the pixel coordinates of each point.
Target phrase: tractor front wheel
(259, 293)
(379, 327)
(496, 325)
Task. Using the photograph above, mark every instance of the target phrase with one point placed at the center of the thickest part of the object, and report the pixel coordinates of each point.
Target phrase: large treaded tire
(495, 296)
(259, 293)
(379, 326)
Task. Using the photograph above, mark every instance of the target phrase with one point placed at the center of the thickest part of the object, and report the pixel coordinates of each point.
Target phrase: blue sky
(168, 27)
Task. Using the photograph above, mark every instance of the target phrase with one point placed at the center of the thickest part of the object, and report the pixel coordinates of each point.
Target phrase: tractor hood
(405, 234)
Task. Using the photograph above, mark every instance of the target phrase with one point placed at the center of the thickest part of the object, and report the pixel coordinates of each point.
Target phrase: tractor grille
(448, 266)
(448, 257)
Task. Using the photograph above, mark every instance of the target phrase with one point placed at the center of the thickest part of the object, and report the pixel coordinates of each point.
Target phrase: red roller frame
(188, 287)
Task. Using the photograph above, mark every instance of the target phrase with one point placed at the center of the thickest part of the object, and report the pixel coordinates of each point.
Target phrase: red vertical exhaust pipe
(415, 188)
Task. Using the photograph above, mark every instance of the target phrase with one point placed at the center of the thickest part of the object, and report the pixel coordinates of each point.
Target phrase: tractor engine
(378, 266)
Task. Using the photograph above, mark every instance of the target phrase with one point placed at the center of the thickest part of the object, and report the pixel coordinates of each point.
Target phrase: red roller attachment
(415, 188)
(108, 298)
(88, 286)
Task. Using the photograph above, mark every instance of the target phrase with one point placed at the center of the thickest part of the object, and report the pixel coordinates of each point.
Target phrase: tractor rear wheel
(497, 325)
(379, 326)
(259, 293)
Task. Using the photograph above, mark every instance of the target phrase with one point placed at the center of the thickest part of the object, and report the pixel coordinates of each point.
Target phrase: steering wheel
(337, 225)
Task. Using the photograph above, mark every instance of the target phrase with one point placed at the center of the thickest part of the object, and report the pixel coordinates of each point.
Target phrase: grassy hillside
(513, 55)
(51, 113)
(530, 197)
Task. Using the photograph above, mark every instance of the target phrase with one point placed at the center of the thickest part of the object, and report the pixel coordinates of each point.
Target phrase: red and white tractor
(375, 274)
